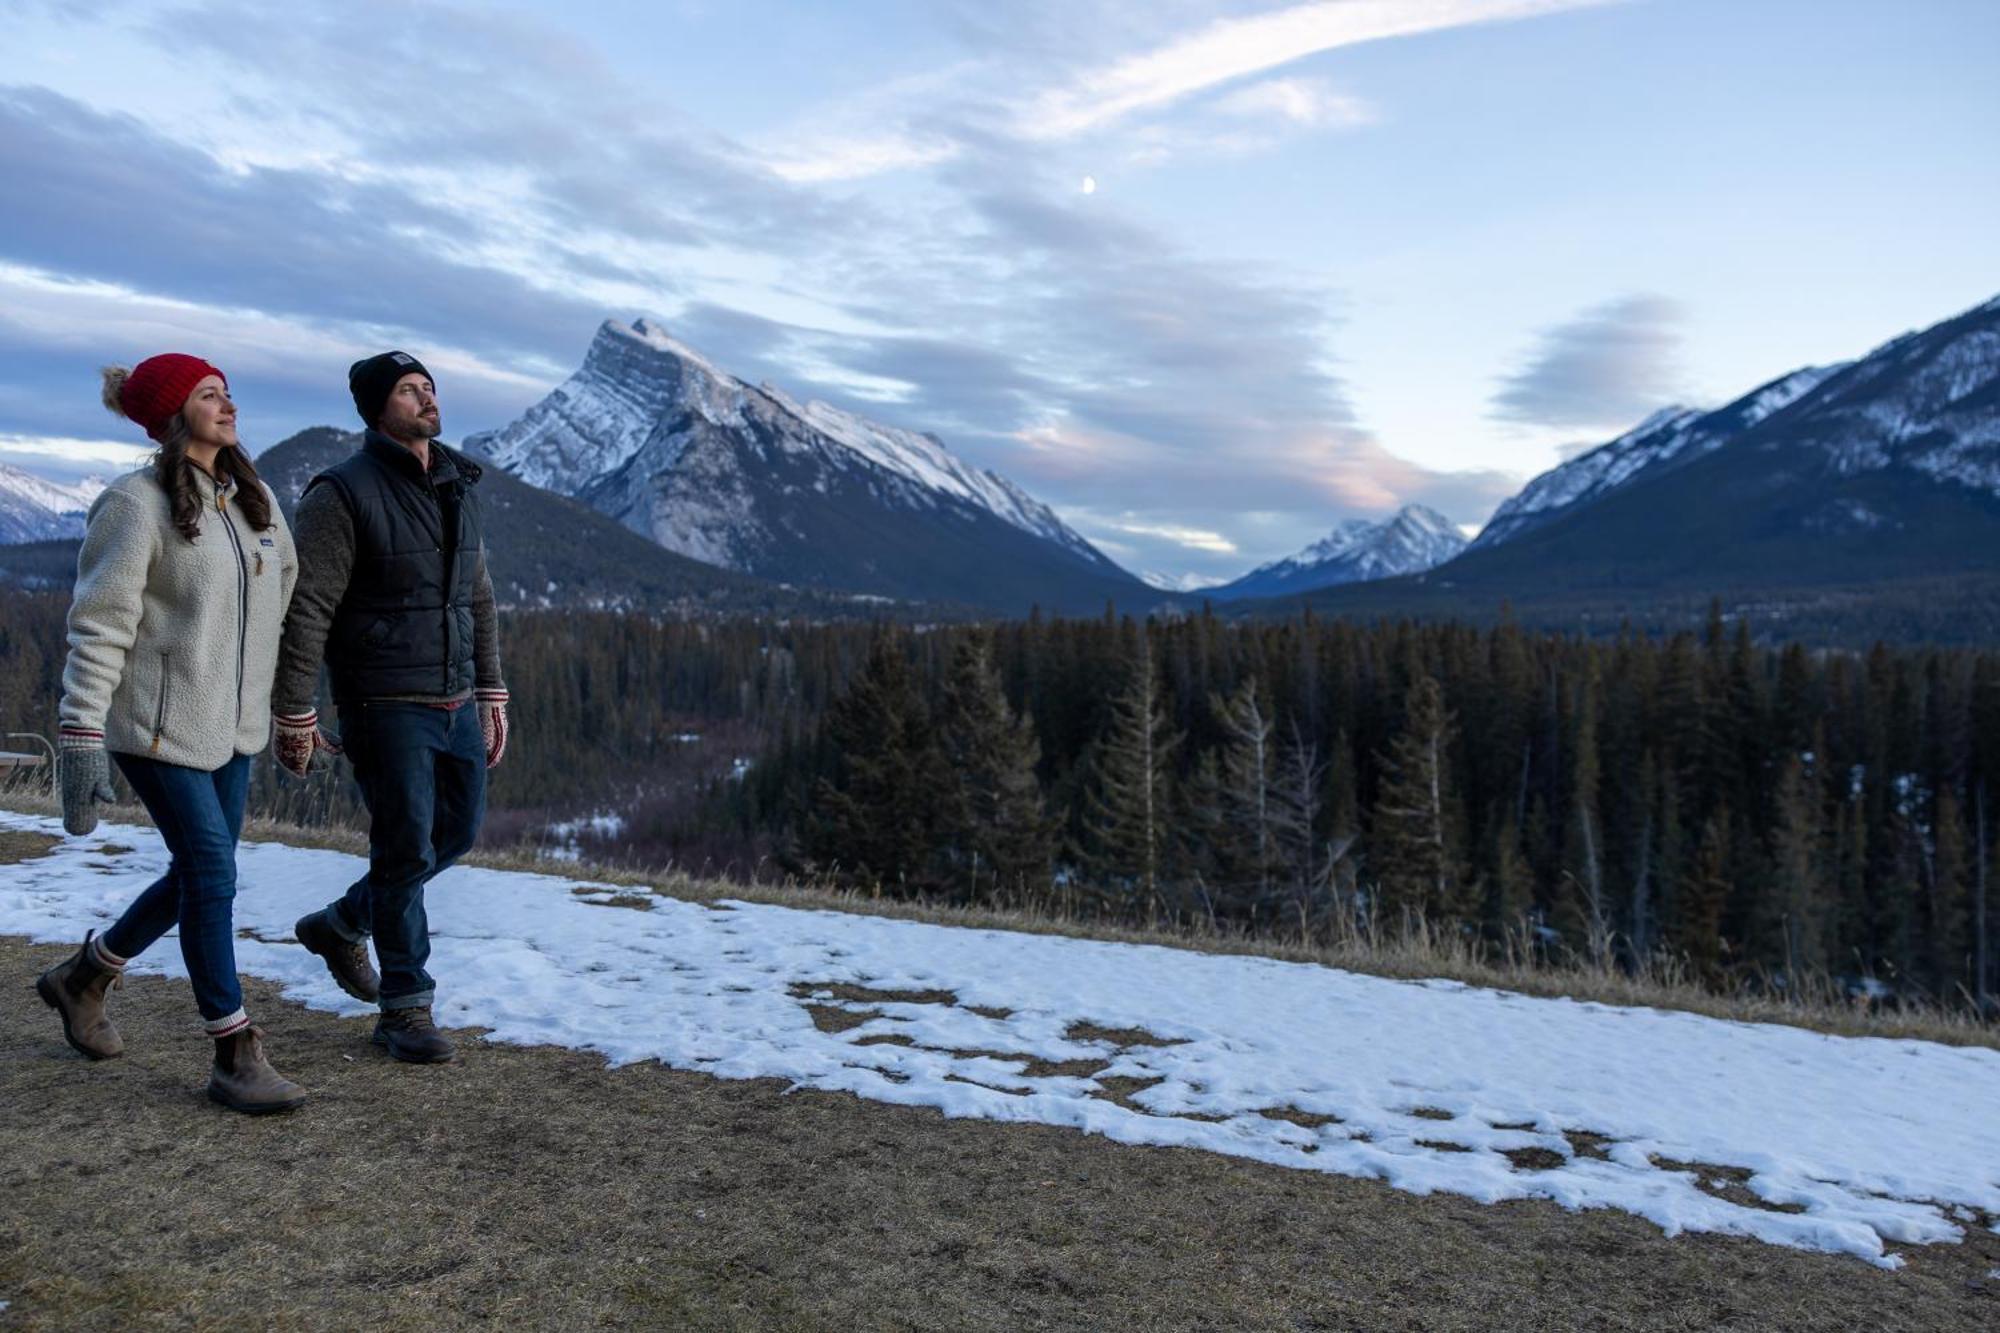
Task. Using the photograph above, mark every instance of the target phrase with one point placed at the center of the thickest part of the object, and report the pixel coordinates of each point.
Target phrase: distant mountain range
(33, 509)
(650, 433)
(1856, 498)
(1409, 541)
(1863, 496)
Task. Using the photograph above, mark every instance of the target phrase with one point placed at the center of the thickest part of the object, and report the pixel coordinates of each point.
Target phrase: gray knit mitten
(85, 773)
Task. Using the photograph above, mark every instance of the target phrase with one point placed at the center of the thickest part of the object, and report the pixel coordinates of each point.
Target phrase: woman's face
(211, 416)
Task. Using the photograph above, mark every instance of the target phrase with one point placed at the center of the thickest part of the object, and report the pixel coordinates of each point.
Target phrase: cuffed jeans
(199, 815)
(422, 774)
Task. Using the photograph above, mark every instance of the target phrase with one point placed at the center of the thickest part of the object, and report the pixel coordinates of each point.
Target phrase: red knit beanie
(159, 386)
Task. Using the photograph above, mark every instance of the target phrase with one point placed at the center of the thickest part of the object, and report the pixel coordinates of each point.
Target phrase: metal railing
(42, 741)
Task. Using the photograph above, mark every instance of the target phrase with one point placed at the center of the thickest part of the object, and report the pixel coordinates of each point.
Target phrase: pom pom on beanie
(155, 390)
(114, 385)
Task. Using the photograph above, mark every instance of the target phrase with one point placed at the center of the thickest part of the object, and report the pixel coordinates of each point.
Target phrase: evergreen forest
(1757, 814)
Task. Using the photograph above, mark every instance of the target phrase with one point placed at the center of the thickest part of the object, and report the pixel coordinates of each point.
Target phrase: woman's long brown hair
(176, 477)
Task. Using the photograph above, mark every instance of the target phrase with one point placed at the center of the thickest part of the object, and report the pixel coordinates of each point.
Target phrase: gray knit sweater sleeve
(120, 544)
(485, 630)
(323, 533)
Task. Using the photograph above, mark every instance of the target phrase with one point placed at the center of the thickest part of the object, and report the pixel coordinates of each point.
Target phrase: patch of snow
(603, 824)
(560, 840)
(1427, 1085)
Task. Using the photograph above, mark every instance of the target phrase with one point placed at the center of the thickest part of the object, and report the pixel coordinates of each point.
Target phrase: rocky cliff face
(652, 434)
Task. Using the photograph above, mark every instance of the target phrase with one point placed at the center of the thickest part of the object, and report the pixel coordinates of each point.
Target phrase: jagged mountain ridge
(651, 433)
(1413, 539)
(1670, 435)
(35, 509)
(1877, 488)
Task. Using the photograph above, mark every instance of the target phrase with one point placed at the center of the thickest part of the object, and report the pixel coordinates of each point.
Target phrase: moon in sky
(1090, 185)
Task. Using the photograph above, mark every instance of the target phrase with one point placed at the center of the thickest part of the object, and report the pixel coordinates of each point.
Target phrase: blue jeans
(199, 816)
(422, 774)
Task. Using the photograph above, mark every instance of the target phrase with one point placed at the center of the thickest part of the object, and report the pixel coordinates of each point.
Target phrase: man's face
(412, 411)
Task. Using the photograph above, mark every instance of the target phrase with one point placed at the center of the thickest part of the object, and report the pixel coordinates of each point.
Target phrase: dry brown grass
(19, 845)
(534, 1188)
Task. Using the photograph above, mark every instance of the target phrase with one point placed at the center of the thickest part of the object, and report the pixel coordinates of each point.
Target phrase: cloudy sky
(1207, 275)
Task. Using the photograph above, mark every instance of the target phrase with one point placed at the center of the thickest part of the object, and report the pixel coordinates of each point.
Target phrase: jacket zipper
(450, 559)
(160, 705)
(242, 602)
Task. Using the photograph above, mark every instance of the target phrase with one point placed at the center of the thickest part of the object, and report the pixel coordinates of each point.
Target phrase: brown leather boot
(346, 959)
(76, 989)
(411, 1036)
(243, 1079)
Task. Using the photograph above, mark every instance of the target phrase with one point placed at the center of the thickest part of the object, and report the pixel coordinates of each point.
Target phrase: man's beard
(416, 428)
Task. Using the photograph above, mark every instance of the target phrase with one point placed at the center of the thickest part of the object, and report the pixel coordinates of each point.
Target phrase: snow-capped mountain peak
(653, 433)
(1413, 539)
(645, 331)
(923, 458)
(35, 509)
(1669, 435)
(598, 419)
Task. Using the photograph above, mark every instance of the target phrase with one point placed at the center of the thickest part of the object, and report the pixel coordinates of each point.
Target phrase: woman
(182, 583)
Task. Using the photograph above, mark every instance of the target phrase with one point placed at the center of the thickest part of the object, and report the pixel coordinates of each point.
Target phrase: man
(393, 592)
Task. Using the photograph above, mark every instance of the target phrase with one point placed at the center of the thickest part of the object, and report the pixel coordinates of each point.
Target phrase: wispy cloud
(1607, 367)
(491, 223)
(62, 459)
(1194, 539)
(1236, 48)
(844, 159)
(1305, 102)
(73, 450)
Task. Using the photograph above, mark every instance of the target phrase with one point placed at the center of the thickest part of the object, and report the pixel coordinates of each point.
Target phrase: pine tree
(1582, 910)
(1343, 831)
(1413, 846)
(1798, 897)
(1704, 895)
(1125, 815)
(993, 818)
(1948, 918)
(1669, 867)
(1245, 851)
(1982, 976)
(877, 821)
(1296, 822)
(1510, 897)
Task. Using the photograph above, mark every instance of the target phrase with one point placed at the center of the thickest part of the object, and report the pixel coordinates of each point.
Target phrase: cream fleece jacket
(172, 643)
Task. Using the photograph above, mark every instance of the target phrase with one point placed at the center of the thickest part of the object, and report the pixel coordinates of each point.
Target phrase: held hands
(492, 703)
(298, 743)
(85, 773)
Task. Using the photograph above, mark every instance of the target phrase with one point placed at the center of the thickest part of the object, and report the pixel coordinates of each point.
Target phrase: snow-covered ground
(1427, 1085)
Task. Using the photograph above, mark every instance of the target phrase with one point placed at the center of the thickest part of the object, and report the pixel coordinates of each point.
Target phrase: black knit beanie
(371, 379)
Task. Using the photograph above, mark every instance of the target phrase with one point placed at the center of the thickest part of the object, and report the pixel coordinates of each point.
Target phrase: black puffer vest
(404, 626)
